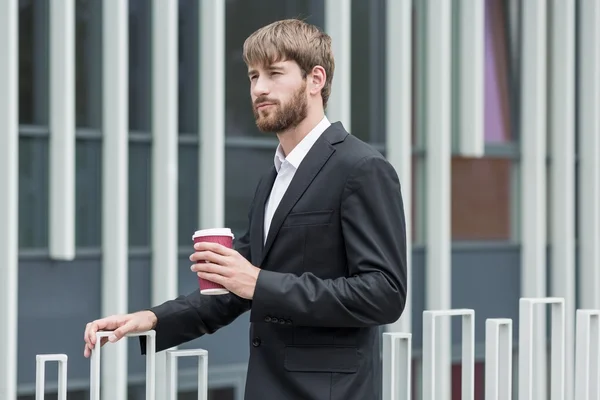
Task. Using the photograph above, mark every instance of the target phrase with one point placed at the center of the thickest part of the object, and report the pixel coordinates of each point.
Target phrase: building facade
(132, 127)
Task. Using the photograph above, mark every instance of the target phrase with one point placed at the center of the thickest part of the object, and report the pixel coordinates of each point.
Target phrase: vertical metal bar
(173, 356)
(588, 118)
(165, 149)
(9, 204)
(397, 362)
(40, 375)
(399, 123)
(562, 177)
(172, 375)
(468, 357)
(471, 88)
(115, 190)
(525, 350)
(212, 114)
(529, 335)
(62, 130)
(429, 378)
(558, 370)
(498, 359)
(437, 69)
(338, 25)
(95, 364)
(431, 356)
(533, 169)
(587, 356)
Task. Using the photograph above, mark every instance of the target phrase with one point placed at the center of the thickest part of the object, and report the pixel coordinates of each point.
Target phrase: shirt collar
(301, 150)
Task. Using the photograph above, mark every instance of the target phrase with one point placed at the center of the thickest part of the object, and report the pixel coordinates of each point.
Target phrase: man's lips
(263, 105)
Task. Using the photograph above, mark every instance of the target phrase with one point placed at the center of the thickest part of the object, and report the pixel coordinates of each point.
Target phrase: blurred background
(500, 185)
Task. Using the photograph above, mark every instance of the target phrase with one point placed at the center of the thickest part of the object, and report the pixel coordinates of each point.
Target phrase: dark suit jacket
(333, 271)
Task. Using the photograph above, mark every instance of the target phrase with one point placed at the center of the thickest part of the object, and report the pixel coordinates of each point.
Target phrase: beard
(281, 117)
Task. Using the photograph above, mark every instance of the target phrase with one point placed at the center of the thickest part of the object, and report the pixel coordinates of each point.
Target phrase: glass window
(33, 192)
(33, 62)
(88, 63)
(88, 193)
(188, 65)
(498, 121)
(481, 198)
(189, 187)
(140, 42)
(368, 70)
(244, 17)
(140, 174)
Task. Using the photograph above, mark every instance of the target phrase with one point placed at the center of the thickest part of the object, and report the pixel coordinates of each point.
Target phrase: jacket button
(256, 342)
(282, 321)
(274, 320)
(288, 322)
(267, 319)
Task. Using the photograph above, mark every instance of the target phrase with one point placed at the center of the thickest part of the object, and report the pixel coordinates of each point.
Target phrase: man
(323, 263)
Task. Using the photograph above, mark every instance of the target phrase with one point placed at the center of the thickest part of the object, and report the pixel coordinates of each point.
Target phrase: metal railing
(397, 358)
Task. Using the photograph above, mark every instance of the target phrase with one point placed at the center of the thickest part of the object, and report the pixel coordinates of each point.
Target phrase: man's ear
(317, 79)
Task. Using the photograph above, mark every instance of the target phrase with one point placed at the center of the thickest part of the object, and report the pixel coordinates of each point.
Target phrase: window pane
(140, 168)
(88, 63)
(188, 65)
(88, 193)
(481, 199)
(33, 61)
(33, 192)
(139, 65)
(368, 70)
(498, 127)
(244, 17)
(189, 182)
(243, 169)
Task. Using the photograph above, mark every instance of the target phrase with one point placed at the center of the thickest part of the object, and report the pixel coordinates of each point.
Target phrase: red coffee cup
(224, 237)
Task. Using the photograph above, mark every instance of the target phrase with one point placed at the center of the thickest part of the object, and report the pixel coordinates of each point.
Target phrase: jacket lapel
(258, 215)
(308, 170)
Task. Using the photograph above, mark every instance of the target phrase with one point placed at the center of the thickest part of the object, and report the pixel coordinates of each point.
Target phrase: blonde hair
(293, 40)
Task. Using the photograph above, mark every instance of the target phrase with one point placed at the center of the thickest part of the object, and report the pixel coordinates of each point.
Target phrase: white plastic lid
(213, 232)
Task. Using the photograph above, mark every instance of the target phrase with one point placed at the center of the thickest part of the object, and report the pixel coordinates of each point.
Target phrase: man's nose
(261, 87)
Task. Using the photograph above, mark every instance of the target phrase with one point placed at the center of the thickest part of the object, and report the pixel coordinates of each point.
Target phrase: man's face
(279, 99)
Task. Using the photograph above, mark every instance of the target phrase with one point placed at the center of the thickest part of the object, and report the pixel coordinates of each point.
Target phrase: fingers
(215, 248)
(212, 269)
(216, 278)
(119, 333)
(104, 324)
(209, 256)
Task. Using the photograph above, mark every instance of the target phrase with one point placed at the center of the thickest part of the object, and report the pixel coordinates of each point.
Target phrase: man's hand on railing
(121, 325)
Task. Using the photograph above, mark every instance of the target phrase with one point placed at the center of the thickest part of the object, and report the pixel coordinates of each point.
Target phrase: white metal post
(529, 336)
(40, 375)
(62, 130)
(498, 359)
(150, 363)
(533, 117)
(437, 123)
(338, 24)
(397, 366)
(470, 58)
(115, 185)
(588, 118)
(9, 196)
(431, 357)
(165, 149)
(399, 124)
(211, 183)
(587, 356)
(172, 357)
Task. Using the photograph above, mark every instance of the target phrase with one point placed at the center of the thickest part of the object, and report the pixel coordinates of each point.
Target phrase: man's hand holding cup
(219, 267)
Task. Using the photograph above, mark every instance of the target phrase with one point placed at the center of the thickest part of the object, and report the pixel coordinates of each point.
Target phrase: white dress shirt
(286, 168)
